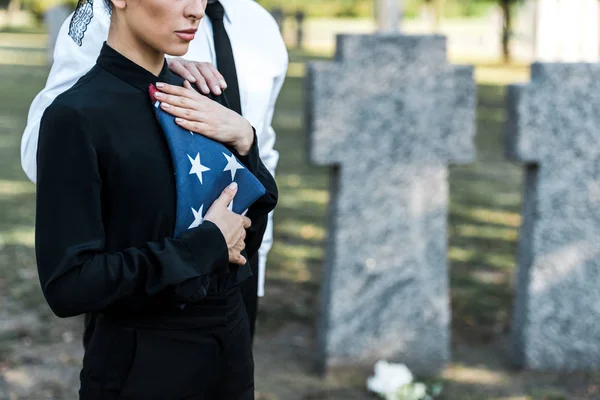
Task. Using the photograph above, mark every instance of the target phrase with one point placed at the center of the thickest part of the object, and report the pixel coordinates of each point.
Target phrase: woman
(169, 320)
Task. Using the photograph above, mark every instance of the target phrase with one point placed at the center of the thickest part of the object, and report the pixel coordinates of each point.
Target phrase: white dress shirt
(261, 65)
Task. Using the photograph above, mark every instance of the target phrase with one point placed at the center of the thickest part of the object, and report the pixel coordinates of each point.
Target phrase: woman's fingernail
(223, 84)
(205, 89)
(178, 120)
(165, 105)
(192, 79)
(159, 94)
(233, 185)
(217, 90)
(160, 84)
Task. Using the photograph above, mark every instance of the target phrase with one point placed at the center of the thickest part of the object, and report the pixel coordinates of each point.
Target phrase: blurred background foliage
(348, 9)
(314, 8)
(364, 8)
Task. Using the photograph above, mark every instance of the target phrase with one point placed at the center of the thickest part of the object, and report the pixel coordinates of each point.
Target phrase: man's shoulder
(263, 26)
(254, 7)
(255, 15)
(173, 79)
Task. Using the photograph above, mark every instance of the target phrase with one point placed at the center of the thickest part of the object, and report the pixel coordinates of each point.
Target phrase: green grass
(485, 201)
(484, 219)
(17, 195)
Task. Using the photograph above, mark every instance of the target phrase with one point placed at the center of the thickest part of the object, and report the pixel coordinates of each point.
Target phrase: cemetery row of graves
(386, 286)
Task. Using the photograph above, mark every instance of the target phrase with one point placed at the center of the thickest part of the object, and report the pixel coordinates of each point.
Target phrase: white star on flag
(232, 165)
(197, 168)
(197, 217)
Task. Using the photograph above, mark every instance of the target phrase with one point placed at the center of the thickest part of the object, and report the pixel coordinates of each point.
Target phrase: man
(239, 36)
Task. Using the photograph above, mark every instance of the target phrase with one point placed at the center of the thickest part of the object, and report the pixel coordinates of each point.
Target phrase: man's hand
(232, 226)
(199, 114)
(204, 74)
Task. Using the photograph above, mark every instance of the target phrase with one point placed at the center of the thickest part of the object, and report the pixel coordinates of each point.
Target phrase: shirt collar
(229, 10)
(130, 72)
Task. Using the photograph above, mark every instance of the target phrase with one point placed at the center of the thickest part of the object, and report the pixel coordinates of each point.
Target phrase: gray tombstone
(54, 18)
(554, 127)
(390, 113)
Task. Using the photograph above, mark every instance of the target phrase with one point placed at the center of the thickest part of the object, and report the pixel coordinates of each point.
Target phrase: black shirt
(106, 202)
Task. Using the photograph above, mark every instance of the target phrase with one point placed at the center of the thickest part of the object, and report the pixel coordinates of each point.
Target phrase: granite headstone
(389, 114)
(554, 129)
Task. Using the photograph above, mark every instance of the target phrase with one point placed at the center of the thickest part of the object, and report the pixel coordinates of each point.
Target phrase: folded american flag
(203, 169)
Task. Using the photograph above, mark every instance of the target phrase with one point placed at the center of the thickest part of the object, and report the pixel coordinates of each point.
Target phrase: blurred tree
(347, 9)
(14, 5)
(507, 27)
(39, 7)
(507, 7)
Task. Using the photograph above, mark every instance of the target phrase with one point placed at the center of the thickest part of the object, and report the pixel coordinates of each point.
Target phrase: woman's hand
(232, 226)
(204, 74)
(199, 114)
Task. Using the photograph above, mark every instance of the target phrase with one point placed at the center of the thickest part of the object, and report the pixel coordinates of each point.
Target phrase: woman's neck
(134, 49)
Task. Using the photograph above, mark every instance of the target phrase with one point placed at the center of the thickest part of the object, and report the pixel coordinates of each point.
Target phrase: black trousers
(203, 352)
(249, 289)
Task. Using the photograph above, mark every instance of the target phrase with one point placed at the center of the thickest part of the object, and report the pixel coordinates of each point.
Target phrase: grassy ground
(39, 354)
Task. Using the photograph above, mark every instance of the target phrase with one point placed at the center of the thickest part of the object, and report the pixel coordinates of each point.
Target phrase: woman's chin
(178, 50)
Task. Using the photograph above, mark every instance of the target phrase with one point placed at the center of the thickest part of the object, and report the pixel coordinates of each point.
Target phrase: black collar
(125, 69)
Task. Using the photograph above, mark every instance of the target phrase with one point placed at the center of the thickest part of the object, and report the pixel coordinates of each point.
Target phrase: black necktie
(225, 60)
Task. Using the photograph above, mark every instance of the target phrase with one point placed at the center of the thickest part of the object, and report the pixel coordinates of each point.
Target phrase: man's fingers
(200, 84)
(199, 79)
(179, 68)
(207, 73)
(219, 76)
(220, 80)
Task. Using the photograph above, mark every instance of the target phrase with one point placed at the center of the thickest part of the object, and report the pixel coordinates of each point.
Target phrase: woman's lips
(188, 34)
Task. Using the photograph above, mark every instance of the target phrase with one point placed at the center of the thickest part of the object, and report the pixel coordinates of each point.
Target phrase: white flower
(388, 378)
(419, 390)
(415, 391)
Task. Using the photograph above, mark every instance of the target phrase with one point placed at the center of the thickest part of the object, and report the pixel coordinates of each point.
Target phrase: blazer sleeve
(76, 272)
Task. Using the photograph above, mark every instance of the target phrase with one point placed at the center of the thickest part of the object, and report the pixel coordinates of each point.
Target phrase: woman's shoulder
(82, 91)
(82, 98)
(71, 108)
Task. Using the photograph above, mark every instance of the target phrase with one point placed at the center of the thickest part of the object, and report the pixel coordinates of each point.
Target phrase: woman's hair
(108, 5)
